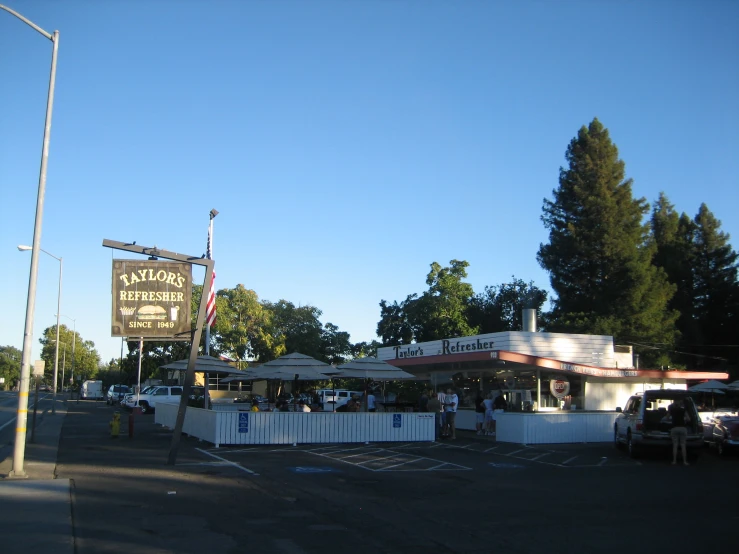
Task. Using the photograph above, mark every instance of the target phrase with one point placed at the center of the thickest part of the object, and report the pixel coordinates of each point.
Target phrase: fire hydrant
(115, 425)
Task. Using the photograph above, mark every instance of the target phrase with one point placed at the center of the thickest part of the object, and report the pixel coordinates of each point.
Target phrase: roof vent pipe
(529, 320)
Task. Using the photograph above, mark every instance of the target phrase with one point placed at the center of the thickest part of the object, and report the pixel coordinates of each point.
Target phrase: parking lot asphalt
(468, 495)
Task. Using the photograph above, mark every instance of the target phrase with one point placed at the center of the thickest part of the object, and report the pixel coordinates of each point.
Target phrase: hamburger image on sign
(151, 312)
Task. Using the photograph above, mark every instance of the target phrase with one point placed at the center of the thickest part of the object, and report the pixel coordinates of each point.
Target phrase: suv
(645, 422)
(148, 400)
(116, 393)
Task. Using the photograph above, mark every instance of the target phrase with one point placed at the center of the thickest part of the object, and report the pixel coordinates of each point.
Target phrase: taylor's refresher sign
(151, 299)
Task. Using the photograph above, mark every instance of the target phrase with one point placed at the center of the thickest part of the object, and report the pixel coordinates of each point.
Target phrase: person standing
(679, 430)
(440, 396)
(488, 403)
(371, 401)
(434, 406)
(479, 413)
(451, 401)
(423, 402)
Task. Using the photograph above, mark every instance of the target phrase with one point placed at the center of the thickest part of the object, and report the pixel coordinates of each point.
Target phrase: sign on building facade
(151, 299)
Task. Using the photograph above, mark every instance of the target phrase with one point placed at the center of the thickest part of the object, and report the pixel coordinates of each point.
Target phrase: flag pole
(210, 313)
(211, 309)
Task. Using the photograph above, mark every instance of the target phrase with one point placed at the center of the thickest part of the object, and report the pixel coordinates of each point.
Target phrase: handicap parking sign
(243, 422)
(397, 420)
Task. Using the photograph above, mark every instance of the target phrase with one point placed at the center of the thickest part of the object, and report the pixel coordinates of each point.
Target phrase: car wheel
(616, 442)
(631, 447)
(144, 407)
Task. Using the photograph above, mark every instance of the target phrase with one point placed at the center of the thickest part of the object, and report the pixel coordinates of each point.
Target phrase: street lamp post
(74, 342)
(58, 309)
(22, 416)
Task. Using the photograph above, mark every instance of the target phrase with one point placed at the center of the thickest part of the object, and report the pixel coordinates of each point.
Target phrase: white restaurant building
(559, 387)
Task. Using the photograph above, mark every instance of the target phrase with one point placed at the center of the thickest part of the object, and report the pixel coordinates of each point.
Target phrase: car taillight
(639, 424)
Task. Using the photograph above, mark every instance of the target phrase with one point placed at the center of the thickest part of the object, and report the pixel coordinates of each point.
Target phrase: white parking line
(569, 460)
(242, 468)
(541, 456)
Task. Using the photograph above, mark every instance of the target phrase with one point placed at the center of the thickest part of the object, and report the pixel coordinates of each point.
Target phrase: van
(91, 390)
(332, 399)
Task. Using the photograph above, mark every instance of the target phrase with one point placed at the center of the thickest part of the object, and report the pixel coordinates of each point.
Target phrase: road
(8, 412)
(465, 496)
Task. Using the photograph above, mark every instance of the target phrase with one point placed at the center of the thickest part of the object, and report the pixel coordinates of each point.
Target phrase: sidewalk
(39, 501)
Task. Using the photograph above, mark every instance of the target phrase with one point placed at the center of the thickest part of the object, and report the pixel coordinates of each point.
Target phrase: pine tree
(599, 255)
(716, 291)
(673, 237)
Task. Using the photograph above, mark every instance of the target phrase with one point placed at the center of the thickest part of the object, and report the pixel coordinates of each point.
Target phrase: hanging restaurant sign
(151, 299)
(559, 388)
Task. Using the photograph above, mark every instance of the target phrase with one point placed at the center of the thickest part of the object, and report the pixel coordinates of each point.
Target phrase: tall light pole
(22, 417)
(58, 309)
(74, 341)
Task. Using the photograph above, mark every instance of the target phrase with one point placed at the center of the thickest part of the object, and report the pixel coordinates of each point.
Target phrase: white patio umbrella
(709, 386)
(208, 365)
(205, 364)
(372, 368)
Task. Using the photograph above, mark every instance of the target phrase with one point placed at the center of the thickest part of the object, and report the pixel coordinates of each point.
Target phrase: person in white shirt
(488, 402)
(370, 402)
(451, 402)
(302, 407)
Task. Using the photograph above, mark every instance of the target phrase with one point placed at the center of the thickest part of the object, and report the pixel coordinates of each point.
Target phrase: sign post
(171, 334)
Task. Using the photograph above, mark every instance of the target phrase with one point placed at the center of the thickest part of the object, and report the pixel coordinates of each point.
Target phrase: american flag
(210, 308)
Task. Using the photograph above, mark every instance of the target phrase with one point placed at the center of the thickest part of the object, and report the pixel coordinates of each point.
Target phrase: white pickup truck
(148, 401)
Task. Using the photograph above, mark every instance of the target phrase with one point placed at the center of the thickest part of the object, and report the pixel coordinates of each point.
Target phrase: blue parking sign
(243, 422)
(397, 420)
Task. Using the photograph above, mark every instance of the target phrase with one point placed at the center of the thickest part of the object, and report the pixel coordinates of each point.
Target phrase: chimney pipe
(529, 320)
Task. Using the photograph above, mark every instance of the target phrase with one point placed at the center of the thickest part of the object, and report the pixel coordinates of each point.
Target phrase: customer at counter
(434, 406)
(451, 401)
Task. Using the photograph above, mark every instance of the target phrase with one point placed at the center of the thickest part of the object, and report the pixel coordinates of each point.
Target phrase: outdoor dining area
(232, 421)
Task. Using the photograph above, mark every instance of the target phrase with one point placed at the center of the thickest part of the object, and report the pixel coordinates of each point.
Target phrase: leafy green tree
(440, 312)
(295, 329)
(75, 354)
(394, 327)
(335, 345)
(243, 324)
(365, 349)
(500, 308)
(10, 366)
(443, 308)
(599, 255)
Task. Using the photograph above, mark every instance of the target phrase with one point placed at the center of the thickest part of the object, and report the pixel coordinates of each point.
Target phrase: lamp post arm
(29, 23)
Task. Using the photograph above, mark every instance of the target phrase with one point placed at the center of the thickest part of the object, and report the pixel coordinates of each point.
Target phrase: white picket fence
(555, 427)
(245, 427)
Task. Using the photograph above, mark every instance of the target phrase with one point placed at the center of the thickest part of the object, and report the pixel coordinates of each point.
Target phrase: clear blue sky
(346, 144)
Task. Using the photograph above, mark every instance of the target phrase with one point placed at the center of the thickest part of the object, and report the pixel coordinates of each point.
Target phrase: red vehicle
(722, 430)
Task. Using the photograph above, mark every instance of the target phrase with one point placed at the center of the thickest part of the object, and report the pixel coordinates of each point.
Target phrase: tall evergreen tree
(599, 257)
(673, 237)
(716, 289)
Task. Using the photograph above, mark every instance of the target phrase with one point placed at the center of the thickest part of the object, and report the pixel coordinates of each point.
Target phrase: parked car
(148, 401)
(645, 422)
(722, 430)
(115, 394)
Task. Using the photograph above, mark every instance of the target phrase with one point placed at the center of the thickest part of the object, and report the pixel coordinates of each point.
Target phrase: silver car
(645, 422)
